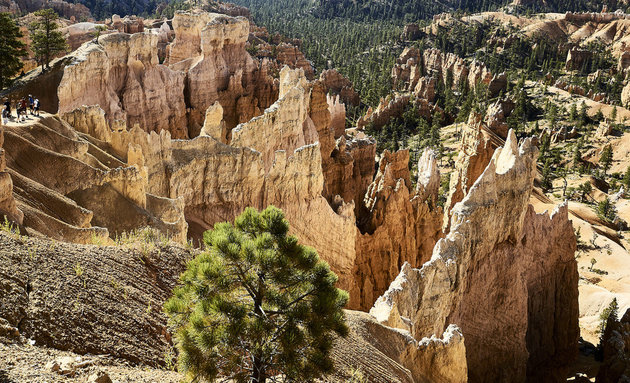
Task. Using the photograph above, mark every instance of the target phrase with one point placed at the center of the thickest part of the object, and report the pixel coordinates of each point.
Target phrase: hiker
(30, 103)
(22, 106)
(6, 112)
(36, 107)
(5, 115)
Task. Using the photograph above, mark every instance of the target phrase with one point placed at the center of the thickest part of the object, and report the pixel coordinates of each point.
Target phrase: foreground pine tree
(257, 305)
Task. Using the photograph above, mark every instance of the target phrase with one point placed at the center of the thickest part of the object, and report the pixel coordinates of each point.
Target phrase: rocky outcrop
(448, 65)
(288, 54)
(411, 32)
(499, 277)
(615, 351)
(475, 152)
(68, 10)
(122, 75)
(128, 24)
(8, 207)
(206, 63)
(71, 188)
(387, 109)
(338, 85)
(576, 58)
(210, 48)
(401, 224)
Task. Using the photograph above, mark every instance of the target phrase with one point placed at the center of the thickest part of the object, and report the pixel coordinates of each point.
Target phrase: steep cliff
(210, 49)
(122, 75)
(504, 274)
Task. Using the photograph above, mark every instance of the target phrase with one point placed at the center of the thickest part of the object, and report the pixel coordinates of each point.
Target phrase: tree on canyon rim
(46, 40)
(257, 305)
(11, 49)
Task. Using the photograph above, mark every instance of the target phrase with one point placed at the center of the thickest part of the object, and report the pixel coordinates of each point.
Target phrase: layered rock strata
(210, 49)
(206, 63)
(122, 74)
(292, 157)
(505, 275)
(71, 187)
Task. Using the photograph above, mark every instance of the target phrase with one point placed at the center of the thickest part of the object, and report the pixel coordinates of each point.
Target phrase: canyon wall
(505, 275)
(206, 63)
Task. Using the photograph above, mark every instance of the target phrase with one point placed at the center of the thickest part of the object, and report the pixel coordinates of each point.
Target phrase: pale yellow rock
(213, 125)
(497, 240)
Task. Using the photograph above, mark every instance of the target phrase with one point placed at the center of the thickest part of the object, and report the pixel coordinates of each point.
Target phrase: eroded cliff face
(476, 151)
(7, 202)
(71, 187)
(210, 49)
(206, 63)
(505, 275)
(124, 77)
(414, 69)
(294, 156)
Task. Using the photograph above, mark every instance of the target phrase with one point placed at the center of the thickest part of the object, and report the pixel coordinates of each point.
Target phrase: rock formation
(128, 24)
(210, 48)
(70, 189)
(499, 276)
(122, 75)
(413, 65)
(64, 9)
(615, 351)
(288, 54)
(207, 63)
(475, 152)
(576, 58)
(340, 86)
(8, 207)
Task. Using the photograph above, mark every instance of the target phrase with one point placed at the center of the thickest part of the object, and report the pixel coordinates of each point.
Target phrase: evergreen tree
(626, 180)
(573, 112)
(577, 158)
(611, 312)
(606, 210)
(46, 39)
(257, 305)
(606, 157)
(11, 49)
(546, 176)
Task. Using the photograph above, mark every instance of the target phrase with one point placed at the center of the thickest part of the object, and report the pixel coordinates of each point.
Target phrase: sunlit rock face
(505, 275)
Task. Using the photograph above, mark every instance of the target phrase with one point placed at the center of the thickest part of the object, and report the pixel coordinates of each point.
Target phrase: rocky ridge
(495, 250)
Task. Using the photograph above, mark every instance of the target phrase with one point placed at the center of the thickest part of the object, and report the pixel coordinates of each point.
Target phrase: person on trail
(30, 103)
(22, 109)
(36, 107)
(6, 112)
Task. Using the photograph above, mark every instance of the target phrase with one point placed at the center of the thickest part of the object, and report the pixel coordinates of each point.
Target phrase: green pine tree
(11, 49)
(256, 305)
(606, 157)
(626, 180)
(606, 211)
(610, 312)
(46, 39)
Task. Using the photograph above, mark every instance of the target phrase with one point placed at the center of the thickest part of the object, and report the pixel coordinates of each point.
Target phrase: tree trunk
(258, 373)
(258, 370)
